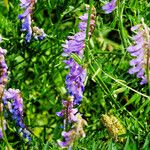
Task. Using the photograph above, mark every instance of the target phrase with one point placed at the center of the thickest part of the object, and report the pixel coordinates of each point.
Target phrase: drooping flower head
(109, 7)
(140, 51)
(26, 19)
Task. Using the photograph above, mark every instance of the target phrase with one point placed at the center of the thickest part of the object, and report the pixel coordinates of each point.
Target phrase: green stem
(121, 83)
(103, 86)
(87, 32)
(147, 70)
(121, 26)
(148, 54)
(122, 29)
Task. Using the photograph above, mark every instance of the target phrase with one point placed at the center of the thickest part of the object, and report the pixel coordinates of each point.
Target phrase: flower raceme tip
(140, 51)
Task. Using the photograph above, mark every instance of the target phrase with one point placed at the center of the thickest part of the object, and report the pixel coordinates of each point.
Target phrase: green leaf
(147, 142)
(143, 105)
(134, 98)
(112, 145)
(46, 147)
(127, 146)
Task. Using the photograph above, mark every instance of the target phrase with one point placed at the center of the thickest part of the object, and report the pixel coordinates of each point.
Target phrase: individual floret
(109, 7)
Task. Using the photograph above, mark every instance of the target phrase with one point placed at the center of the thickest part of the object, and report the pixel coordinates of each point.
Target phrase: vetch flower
(75, 82)
(68, 139)
(76, 44)
(140, 50)
(109, 7)
(13, 99)
(26, 19)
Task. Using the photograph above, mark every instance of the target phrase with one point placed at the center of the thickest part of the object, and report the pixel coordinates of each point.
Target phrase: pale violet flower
(109, 7)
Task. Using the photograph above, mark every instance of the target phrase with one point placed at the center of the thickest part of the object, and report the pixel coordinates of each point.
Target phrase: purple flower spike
(76, 132)
(75, 44)
(13, 99)
(74, 82)
(109, 7)
(139, 50)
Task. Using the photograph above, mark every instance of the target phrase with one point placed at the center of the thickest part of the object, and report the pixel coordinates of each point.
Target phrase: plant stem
(103, 86)
(121, 26)
(122, 29)
(87, 32)
(148, 54)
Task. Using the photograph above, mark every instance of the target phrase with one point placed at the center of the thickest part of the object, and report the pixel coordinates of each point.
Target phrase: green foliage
(36, 68)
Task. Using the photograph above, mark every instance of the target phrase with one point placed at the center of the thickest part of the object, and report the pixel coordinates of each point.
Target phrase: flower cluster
(26, 19)
(75, 82)
(109, 7)
(139, 50)
(75, 44)
(11, 99)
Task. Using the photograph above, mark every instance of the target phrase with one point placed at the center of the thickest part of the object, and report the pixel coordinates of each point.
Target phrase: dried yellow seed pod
(114, 126)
